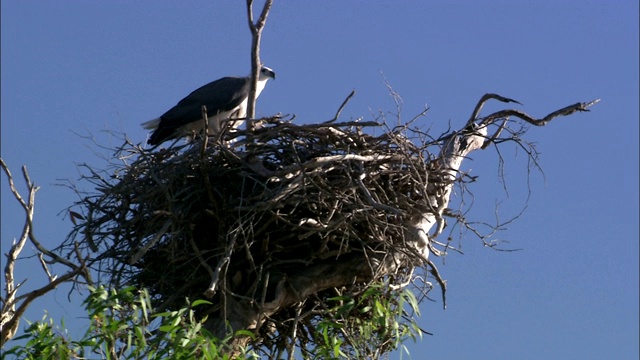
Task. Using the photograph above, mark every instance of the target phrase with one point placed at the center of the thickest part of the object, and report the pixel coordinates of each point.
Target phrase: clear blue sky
(78, 67)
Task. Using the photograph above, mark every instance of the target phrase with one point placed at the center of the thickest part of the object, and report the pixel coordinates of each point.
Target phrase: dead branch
(482, 101)
(581, 106)
(344, 103)
(14, 305)
(256, 35)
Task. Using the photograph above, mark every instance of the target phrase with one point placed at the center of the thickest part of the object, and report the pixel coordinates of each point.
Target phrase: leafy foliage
(123, 326)
(377, 322)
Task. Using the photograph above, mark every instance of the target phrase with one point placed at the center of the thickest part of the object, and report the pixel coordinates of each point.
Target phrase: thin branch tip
(589, 104)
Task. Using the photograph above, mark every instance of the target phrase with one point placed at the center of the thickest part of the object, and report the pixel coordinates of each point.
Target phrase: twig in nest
(368, 196)
(205, 132)
(136, 257)
(344, 103)
(215, 277)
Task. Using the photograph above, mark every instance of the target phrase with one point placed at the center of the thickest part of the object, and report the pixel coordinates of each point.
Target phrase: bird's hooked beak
(271, 74)
(268, 73)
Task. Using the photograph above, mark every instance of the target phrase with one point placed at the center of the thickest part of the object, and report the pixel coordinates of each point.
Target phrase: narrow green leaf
(245, 333)
(201, 302)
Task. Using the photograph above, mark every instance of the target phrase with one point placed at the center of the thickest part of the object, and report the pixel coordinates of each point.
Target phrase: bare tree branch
(14, 306)
(505, 114)
(483, 100)
(344, 103)
(7, 326)
(256, 64)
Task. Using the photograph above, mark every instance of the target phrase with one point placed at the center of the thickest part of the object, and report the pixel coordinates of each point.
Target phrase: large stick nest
(222, 219)
(285, 223)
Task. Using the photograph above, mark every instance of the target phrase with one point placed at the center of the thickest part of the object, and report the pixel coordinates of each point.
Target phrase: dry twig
(14, 305)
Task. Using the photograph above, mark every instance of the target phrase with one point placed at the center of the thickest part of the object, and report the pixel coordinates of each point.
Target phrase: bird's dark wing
(218, 96)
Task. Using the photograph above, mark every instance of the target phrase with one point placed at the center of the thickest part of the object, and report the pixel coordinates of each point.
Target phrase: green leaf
(246, 333)
(336, 350)
(379, 308)
(166, 328)
(201, 302)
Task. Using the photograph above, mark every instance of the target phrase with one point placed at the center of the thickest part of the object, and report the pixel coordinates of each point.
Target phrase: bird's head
(266, 73)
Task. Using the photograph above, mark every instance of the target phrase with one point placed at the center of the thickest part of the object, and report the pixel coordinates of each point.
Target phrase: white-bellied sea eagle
(225, 99)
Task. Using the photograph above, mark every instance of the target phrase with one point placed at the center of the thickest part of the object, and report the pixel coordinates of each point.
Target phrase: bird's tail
(151, 124)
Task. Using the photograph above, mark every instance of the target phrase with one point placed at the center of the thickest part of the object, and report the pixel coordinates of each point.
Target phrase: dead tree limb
(454, 150)
(256, 36)
(14, 305)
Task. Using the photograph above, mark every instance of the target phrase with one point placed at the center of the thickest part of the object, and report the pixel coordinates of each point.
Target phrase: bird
(225, 98)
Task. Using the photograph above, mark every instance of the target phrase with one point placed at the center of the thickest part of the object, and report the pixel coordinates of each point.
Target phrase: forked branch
(14, 305)
(256, 35)
(505, 114)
